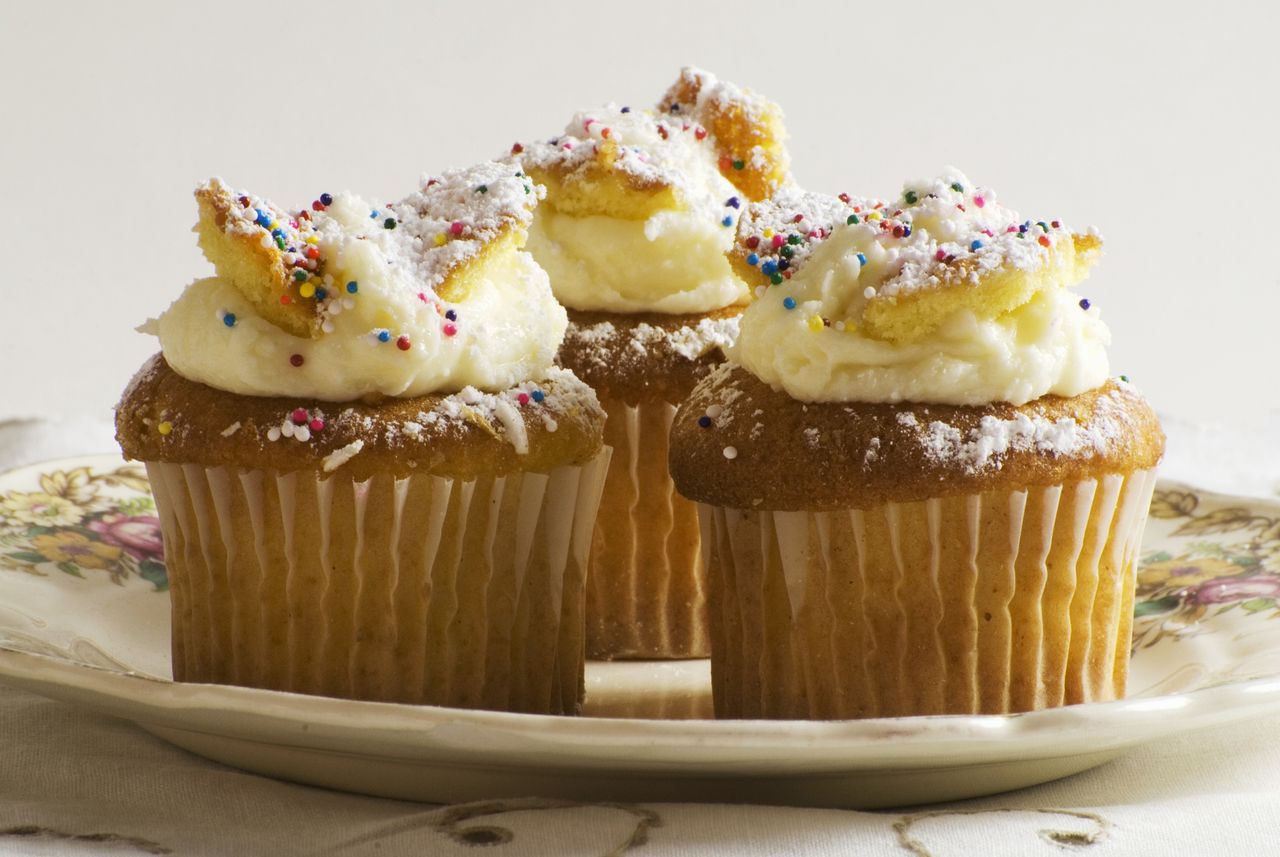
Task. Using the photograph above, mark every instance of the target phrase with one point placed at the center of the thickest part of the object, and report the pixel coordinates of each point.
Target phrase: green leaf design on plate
(39, 531)
(26, 556)
(70, 568)
(136, 506)
(1158, 605)
(155, 572)
(1257, 605)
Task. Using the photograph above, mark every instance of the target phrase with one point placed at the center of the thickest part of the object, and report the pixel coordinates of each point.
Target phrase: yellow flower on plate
(74, 485)
(40, 508)
(77, 549)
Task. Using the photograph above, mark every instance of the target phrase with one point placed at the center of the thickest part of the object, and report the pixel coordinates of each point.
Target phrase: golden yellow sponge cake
(919, 489)
(746, 128)
(372, 480)
(641, 212)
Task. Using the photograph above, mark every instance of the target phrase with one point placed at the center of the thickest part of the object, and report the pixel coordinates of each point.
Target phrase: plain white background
(1157, 123)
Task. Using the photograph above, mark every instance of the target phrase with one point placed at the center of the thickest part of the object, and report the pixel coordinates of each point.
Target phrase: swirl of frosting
(944, 296)
(350, 300)
(639, 212)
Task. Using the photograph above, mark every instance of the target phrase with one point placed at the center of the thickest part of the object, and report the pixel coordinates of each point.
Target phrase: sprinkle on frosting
(776, 236)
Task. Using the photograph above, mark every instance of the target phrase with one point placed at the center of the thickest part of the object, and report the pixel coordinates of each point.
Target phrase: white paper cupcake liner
(645, 587)
(420, 589)
(991, 603)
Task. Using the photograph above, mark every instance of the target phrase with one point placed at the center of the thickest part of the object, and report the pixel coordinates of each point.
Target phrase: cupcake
(640, 213)
(920, 491)
(372, 480)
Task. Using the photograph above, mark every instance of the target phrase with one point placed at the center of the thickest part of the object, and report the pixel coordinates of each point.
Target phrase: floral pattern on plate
(85, 522)
(1216, 558)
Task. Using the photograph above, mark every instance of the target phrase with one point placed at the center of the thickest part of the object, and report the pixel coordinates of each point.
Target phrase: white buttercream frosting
(386, 328)
(672, 260)
(805, 335)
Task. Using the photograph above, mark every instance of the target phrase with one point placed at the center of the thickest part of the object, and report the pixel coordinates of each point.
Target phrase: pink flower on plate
(1229, 589)
(139, 535)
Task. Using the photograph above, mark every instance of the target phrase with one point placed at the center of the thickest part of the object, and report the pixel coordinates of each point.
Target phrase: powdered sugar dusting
(941, 232)
(595, 342)
(984, 447)
(430, 232)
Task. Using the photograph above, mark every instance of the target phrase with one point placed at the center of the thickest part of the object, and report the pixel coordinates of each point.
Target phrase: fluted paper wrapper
(645, 588)
(421, 589)
(992, 603)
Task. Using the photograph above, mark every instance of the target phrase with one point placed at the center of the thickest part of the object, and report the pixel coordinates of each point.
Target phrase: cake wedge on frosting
(372, 479)
(641, 211)
(918, 455)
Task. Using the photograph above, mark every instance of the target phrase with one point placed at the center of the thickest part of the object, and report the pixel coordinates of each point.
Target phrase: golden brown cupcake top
(638, 357)
(537, 425)
(738, 443)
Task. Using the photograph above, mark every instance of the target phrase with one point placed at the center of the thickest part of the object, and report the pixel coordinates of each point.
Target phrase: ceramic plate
(84, 617)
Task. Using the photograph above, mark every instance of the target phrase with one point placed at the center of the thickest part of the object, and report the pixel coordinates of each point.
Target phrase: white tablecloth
(75, 783)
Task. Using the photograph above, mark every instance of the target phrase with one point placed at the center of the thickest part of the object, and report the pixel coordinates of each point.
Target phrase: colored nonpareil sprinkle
(538, 395)
(704, 421)
(384, 336)
(296, 360)
(731, 452)
(1084, 303)
(975, 245)
(353, 287)
(789, 302)
(165, 428)
(229, 319)
(403, 342)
